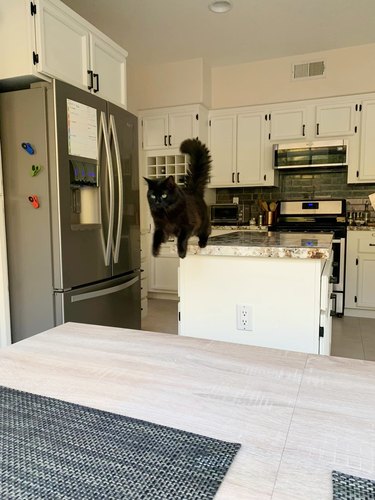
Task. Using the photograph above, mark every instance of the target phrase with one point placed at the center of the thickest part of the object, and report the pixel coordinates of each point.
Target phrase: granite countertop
(267, 244)
(370, 227)
(242, 228)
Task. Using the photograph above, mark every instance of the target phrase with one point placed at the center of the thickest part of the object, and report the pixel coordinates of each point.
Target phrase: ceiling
(159, 31)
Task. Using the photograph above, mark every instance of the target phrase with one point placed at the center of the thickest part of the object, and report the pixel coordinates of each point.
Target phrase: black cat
(182, 211)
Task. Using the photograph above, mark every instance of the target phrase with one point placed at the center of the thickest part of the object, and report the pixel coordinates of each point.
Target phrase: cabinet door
(155, 132)
(250, 148)
(366, 280)
(288, 124)
(222, 141)
(62, 43)
(352, 244)
(108, 63)
(367, 144)
(335, 120)
(182, 125)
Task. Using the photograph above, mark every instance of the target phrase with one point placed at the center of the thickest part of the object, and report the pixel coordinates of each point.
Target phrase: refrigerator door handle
(105, 291)
(103, 133)
(113, 132)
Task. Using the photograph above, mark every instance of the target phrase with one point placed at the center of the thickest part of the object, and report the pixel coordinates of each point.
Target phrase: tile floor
(351, 337)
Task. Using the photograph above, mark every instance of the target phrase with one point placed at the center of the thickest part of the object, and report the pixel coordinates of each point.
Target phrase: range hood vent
(308, 70)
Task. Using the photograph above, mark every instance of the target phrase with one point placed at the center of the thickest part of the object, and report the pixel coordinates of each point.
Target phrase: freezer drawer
(115, 302)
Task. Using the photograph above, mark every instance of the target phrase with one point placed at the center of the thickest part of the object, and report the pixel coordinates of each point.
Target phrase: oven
(316, 216)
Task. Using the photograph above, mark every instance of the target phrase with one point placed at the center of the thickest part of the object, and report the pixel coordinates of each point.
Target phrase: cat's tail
(200, 165)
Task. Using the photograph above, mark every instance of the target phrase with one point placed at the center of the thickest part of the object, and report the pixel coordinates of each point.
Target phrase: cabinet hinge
(35, 58)
(197, 116)
(32, 8)
(355, 298)
(355, 129)
(321, 331)
(356, 262)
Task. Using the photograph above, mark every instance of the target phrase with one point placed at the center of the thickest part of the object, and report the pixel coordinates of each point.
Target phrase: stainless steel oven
(320, 216)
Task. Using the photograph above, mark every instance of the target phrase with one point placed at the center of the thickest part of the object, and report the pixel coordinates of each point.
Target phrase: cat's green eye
(164, 195)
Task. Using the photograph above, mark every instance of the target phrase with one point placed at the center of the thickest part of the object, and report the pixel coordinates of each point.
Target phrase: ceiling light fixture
(220, 6)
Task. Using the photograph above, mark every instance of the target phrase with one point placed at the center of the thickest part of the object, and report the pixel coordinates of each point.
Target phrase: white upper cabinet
(62, 43)
(47, 40)
(366, 166)
(287, 124)
(222, 144)
(250, 149)
(166, 128)
(335, 120)
(237, 145)
(107, 69)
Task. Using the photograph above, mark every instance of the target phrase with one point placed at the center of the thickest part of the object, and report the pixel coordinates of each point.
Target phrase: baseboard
(360, 313)
(162, 295)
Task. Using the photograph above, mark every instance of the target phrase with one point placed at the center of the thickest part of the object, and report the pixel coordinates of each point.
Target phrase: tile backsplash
(304, 184)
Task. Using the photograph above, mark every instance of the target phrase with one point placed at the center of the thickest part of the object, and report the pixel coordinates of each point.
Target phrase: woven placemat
(51, 449)
(347, 487)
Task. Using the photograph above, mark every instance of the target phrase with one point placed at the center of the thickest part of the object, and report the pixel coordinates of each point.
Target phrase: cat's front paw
(182, 253)
(155, 251)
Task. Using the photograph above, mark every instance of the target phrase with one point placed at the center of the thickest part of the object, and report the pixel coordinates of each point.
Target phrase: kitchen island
(267, 289)
(294, 414)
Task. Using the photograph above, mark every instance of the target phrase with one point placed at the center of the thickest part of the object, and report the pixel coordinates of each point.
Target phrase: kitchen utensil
(264, 206)
(273, 206)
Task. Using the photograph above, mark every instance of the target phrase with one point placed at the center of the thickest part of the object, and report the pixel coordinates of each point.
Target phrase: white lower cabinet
(164, 269)
(360, 274)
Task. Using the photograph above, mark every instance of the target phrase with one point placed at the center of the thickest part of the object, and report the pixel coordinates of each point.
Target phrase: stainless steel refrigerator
(70, 168)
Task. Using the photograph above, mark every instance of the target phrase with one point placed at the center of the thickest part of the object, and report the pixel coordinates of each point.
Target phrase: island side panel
(283, 294)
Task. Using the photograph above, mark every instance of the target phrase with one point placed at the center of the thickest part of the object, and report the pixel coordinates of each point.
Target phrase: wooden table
(297, 416)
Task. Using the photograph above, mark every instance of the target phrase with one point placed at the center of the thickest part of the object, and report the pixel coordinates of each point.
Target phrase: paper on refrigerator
(82, 130)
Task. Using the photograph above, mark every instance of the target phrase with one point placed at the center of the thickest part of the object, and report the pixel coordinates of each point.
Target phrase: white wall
(348, 71)
(172, 84)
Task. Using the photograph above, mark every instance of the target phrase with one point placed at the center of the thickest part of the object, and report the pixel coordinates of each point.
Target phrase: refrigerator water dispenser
(85, 196)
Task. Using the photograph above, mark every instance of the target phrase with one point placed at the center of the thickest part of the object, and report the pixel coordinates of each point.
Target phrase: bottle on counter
(260, 220)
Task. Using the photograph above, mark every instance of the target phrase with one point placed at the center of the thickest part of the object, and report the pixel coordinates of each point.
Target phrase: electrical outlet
(236, 200)
(244, 317)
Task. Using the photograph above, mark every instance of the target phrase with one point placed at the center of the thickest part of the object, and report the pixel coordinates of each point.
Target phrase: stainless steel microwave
(230, 214)
(333, 153)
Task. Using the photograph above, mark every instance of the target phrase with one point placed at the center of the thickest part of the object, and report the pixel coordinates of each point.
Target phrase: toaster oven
(230, 214)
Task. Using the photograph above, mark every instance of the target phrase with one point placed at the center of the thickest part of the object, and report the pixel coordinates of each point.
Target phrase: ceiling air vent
(308, 70)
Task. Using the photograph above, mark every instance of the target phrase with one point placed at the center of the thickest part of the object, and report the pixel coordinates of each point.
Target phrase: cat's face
(161, 193)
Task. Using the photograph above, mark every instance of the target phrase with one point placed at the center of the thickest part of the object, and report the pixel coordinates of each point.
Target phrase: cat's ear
(150, 182)
(170, 182)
